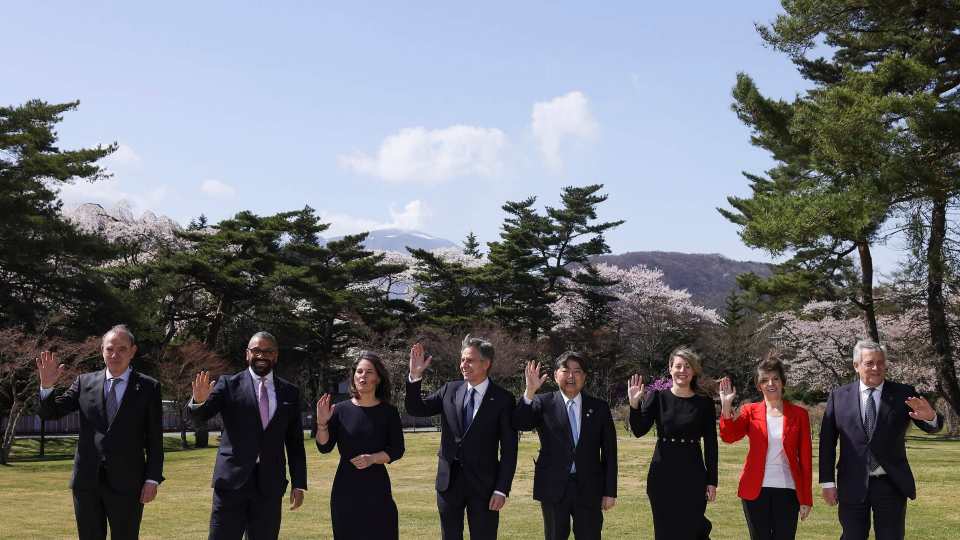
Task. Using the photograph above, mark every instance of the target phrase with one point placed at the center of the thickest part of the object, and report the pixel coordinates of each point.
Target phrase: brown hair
(383, 390)
(771, 363)
(708, 388)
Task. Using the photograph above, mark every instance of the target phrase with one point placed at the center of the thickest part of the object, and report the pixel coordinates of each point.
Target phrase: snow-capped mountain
(399, 240)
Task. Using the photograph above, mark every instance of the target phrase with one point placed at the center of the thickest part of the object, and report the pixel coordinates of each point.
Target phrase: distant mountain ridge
(399, 240)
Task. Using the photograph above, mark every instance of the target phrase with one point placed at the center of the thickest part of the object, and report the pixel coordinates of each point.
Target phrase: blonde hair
(708, 388)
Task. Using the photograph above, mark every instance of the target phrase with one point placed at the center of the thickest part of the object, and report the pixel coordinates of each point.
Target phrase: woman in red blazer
(775, 485)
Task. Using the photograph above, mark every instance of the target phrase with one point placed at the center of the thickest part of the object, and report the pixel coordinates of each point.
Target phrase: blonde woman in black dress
(367, 432)
(683, 471)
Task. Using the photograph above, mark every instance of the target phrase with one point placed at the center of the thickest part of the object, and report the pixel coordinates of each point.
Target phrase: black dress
(679, 471)
(361, 502)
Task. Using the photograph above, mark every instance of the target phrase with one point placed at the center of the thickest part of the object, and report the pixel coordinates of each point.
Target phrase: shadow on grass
(27, 450)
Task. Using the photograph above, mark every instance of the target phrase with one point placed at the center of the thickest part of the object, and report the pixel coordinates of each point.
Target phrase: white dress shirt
(271, 393)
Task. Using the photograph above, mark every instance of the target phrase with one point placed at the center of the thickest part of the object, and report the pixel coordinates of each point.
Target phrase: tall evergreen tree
(472, 247)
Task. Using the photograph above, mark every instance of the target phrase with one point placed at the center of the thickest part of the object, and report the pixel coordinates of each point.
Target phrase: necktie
(468, 410)
(264, 402)
(112, 399)
(573, 426)
(870, 422)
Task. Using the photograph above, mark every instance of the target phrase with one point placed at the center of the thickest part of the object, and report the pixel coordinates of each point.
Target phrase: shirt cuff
(411, 379)
(153, 482)
(935, 423)
(504, 495)
(527, 401)
(301, 489)
(826, 485)
(45, 393)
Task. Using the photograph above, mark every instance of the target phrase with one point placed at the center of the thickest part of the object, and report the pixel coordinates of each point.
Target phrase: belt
(675, 440)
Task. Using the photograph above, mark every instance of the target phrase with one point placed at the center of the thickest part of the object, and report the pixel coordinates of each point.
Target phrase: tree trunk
(947, 385)
(866, 292)
(183, 431)
(16, 409)
(213, 328)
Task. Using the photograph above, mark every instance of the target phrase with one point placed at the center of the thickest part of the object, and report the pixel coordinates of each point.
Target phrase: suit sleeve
(806, 460)
(828, 441)
(643, 418)
(734, 429)
(509, 444)
(527, 415)
(923, 424)
(62, 405)
(213, 405)
(418, 405)
(154, 435)
(608, 455)
(711, 449)
(395, 447)
(296, 454)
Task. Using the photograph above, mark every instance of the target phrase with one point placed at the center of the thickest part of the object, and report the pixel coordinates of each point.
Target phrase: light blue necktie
(573, 426)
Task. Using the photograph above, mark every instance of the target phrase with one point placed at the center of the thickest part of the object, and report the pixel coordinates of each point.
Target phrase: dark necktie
(870, 422)
(112, 399)
(468, 410)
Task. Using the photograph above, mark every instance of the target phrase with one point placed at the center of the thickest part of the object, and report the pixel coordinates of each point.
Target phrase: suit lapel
(787, 419)
(278, 390)
(98, 396)
(560, 409)
(855, 405)
(458, 400)
(886, 403)
(248, 389)
(129, 396)
(489, 397)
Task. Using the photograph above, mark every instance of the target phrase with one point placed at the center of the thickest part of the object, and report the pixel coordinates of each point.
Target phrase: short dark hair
(568, 356)
(383, 391)
(771, 363)
(120, 329)
(263, 335)
(484, 347)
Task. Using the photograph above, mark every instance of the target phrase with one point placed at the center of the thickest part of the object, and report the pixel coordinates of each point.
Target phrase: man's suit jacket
(131, 447)
(842, 420)
(595, 453)
(243, 436)
(797, 447)
(487, 451)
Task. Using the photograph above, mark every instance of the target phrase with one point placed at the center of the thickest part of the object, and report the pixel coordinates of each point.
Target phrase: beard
(258, 368)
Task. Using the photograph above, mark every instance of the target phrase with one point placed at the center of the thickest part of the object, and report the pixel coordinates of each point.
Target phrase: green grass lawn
(36, 503)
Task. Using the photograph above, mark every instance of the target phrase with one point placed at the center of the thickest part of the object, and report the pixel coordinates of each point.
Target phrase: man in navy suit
(575, 472)
(478, 445)
(119, 461)
(260, 415)
(871, 417)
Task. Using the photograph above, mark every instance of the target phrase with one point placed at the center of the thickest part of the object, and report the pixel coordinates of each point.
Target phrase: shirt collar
(125, 375)
(577, 399)
(863, 388)
(268, 376)
(481, 388)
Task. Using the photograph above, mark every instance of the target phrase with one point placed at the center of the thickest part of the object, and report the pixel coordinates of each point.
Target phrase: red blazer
(797, 446)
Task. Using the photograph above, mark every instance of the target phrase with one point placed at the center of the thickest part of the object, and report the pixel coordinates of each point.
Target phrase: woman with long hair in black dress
(367, 432)
(682, 476)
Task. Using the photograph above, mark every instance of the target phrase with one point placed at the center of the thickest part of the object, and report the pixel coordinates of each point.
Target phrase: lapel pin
(137, 387)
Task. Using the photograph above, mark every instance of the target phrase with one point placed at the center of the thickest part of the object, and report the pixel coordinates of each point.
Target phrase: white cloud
(123, 155)
(107, 193)
(415, 215)
(217, 189)
(564, 117)
(432, 157)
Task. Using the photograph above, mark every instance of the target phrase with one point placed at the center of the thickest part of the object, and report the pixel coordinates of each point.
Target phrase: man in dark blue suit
(119, 461)
(478, 445)
(260, 415)
(576, 470)
(871, 417)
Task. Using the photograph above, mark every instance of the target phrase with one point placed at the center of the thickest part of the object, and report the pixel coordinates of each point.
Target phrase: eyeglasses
(260, 352)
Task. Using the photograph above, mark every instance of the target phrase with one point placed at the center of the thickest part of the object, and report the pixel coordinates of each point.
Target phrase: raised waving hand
(728, 393)
(202, 387)
(534, 380)
(635, 390)
(49, 371)
(324, 410)
(417, 364)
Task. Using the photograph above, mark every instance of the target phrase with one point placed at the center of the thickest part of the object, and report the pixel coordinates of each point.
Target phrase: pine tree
(472, 247)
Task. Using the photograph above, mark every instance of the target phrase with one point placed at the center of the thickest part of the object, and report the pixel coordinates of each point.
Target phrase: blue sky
(425, 115)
